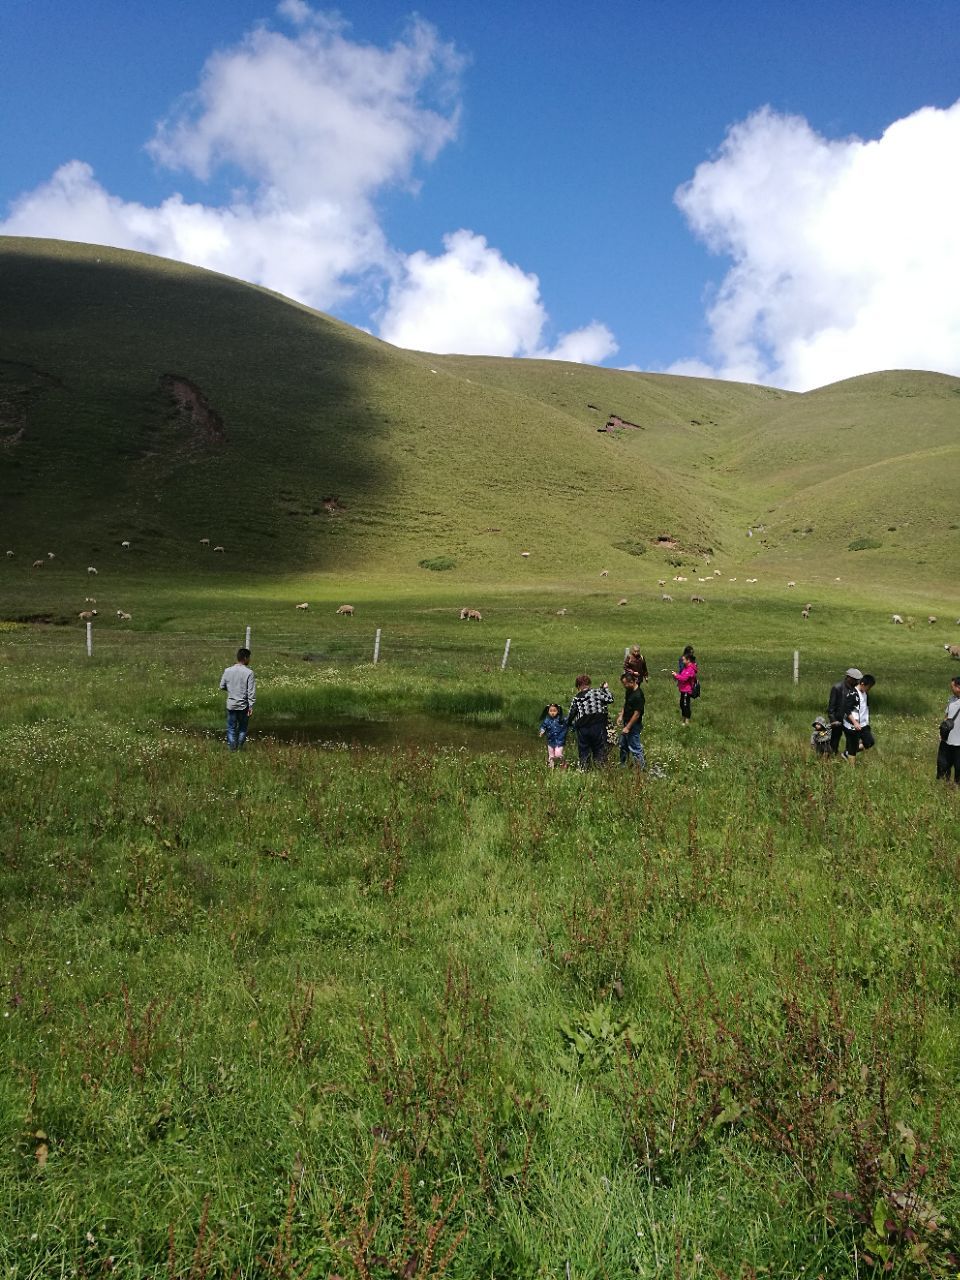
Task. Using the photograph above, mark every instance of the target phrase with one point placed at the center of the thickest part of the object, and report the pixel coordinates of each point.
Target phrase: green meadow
(381, 997)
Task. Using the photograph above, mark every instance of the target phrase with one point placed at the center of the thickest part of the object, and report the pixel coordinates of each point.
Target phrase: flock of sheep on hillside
(474, 615)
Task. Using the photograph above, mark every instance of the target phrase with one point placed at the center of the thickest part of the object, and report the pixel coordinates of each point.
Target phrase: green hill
(148, 401)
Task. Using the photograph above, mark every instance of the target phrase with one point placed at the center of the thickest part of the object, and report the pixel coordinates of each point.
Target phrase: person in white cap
(844, 698)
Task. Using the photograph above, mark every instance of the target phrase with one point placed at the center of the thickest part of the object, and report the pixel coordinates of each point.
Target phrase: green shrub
(438, 563)
(864, 544)
(631, 547)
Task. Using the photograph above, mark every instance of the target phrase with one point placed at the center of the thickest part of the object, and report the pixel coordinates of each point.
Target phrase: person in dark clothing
(844, 698)
(637, 663)
(588, 716)
(631, 719)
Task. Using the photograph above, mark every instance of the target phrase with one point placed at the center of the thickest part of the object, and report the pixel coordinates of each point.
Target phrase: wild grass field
(380, 997)
(340, 1009)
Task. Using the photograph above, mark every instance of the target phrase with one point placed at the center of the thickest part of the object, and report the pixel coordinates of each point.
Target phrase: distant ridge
(149, 401)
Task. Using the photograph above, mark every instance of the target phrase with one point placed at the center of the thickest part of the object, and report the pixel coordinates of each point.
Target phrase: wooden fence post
(506, 655)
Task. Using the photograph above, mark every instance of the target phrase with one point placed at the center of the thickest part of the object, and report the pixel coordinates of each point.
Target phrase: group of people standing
(588, 715)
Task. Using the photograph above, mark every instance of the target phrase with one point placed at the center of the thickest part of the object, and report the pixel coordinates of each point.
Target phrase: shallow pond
(335, 734)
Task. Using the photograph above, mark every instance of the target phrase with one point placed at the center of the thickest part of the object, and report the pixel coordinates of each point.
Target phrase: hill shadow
(146, 400)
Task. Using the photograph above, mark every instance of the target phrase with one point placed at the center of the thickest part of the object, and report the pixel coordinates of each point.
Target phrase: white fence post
(506, 655)
(796, 666)
(246, 643)
(89, 639)
(376, 648)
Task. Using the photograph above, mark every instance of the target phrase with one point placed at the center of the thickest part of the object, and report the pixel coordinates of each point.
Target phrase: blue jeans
(631, 748)
(237, 729)
(592, 744)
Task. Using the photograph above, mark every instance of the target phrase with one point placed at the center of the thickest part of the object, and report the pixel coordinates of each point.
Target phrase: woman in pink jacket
(686, 678)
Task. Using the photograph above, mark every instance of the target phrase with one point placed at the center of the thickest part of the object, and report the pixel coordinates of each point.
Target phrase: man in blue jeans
(241, 687)
(631, 718)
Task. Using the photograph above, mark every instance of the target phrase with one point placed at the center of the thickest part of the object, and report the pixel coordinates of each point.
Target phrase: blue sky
(502, 177)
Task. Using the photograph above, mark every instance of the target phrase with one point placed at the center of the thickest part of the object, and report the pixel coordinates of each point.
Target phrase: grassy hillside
(141, 399)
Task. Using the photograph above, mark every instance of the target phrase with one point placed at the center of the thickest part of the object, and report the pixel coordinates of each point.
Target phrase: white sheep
(525, 555)
(38, 564)
(932, 619)
(204, 542)
(804, 613)
(87, 615)
(345, 610)
(791, 584)
(51, 556)
(91, 569)
(89, 599)
(124, 617)
(753, 579)
(953, 650)
(716, 573)
(697, 600)
(305, 605)
(897, 620)
(218, 548)
(561, 613)
(667, 599)
(9, 553)
(604, 572)
(125, 545)
(661, 582)
(622, 600)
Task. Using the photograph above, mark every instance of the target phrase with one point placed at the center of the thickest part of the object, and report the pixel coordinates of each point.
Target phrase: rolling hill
(148, 401)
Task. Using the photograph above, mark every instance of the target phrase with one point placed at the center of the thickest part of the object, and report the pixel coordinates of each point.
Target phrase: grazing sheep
(218, 548)
(661, 582)
(91, 569)
(791, 584)
(38, 564)
(667, 599)
(525, 554)
(604, 572)
(697, 600)
(716, 573)
(753, 579)
(561, 613)
(680, 578)
(51, 556)
(125, 545)
(470, 615)
(204, 542)
(897, 620)
(87, 615)
(731, 579)
(808, 606)
(9, 553)
(124, 617)
(953, 650)
(703, 579)
(305, 605)
(89, 599)
(622, 600)
(346, 610)
(932, 619)
(804, 613)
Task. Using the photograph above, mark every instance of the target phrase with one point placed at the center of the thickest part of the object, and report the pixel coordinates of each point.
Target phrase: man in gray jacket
(241, 687)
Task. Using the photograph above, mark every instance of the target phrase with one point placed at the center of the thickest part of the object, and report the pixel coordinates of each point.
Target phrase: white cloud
(313, 126)
(470, 300)
(846, 255)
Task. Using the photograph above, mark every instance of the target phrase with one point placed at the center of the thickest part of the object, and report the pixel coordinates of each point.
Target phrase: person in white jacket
(241, 686)
(948, 757)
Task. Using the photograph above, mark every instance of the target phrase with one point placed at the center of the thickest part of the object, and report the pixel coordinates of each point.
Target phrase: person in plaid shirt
(588, 716)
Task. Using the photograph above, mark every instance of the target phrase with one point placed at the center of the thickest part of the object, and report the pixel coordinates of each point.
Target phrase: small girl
(820, 738)
(686, 678)
(554, 727)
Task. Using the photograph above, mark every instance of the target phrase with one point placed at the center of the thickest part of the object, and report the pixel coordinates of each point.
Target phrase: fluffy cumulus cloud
(307, 129)
(846, 255)
(472, 301)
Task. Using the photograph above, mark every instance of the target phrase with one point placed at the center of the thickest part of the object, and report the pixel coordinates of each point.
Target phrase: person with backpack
(688, 683)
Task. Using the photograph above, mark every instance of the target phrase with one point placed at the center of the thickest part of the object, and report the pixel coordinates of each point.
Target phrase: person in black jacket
(843, 699)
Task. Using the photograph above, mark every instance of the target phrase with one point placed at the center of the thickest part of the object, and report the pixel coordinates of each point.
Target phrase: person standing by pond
(948, 756)
(588, 715)
(553, 727)
(241, 687)
(686, 679)
(631, 718)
